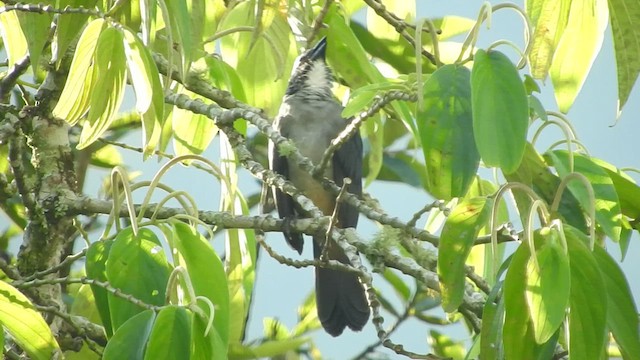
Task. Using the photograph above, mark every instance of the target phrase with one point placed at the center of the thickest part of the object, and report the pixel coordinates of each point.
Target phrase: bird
(310, 117)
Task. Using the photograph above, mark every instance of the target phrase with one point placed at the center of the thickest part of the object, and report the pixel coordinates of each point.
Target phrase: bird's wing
(347, 162)
(284, 202)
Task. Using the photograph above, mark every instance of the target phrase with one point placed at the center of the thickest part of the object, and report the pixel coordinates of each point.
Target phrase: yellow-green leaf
(625, 17)
(26, 326)
(35, 27)
(110, 73)
(75, 97)
(577, 49)
(13, 39)
(549, 26)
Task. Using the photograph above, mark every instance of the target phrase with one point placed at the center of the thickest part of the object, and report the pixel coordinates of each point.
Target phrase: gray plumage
(310, 117)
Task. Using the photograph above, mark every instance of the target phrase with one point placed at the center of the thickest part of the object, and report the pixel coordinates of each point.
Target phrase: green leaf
(69, 26)
(13, 39)
(491, 334)
(580, 43)
(96, 268)
(547, 287)
(380, 28)
(181, 29)
(192, 133)
(625, 16)
(375, 136)
(36, 28)
(588, 314)
(130, 339)
(209, 346)
(206, 272)
(458, 236)
(110, 74)
(76, 95)
(445, 126)
(26, 326)
(261, 62)
(608, 214)
(626, 188)
(622, 314)
(171, 334)
(138, 267)
(397, 283)
(549, 26)
(500, 110)
(518, 337)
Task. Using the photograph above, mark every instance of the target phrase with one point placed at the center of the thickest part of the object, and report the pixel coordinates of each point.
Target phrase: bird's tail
(340, 296)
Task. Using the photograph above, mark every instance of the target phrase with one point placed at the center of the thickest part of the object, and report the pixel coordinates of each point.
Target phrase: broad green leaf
(622, 314)
(192, 133)
(35, 27)
(580, 43)
(110, 74)
(209, 346)
(549, 26)
(625, 16)
(588, 314)
(26, 326)
(458, 236)
(13, 39)
(260, 64)
(535, 173)
(130, 339)
(402, 167)
(206, 272)
(96, 269)
(626, 188)
(608, 215)
(517, 331)
(547, 286)
(75, 97)
(170, 336)
(445, 126)
(375, 136)
(500, 110)
(225, 77)
(138, 267)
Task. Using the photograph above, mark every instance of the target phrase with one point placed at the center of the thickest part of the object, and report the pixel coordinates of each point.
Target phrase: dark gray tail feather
(340, 298)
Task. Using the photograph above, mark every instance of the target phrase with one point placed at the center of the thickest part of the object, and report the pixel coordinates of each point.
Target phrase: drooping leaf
(580, 43)
(192, 133)
(96, 268)
(588, 314)
(170, 336)
(130, 339)
(76, 95)
(548, 284)
(445, 126)
(13, 39)
(26, 326)
(500, 110)
(110, 76)
(550, 21)
(517, 331)
(35, 27)
(137, 266)
(626, 188)
(625, 15)
(458, 236)
(622, 314)
(206, 272)
(608, 215)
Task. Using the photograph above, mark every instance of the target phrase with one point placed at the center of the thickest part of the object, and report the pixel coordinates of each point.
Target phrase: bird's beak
(318, 51)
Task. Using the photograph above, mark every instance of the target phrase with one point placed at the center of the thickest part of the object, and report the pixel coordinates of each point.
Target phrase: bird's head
(311, 77)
